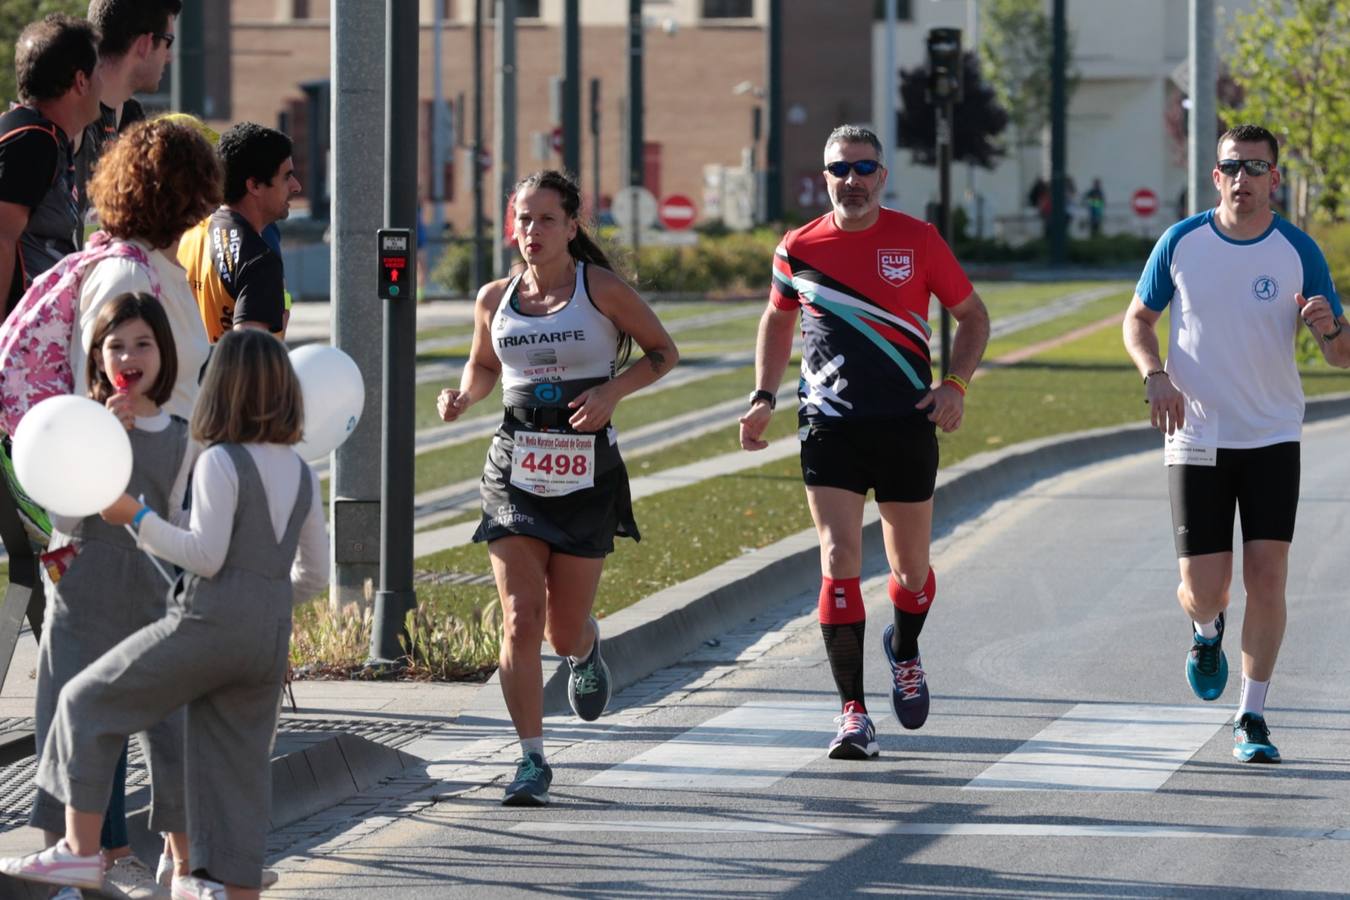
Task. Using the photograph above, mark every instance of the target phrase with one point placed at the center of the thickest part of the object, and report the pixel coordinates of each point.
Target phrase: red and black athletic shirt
(37, 171)
(864, 301)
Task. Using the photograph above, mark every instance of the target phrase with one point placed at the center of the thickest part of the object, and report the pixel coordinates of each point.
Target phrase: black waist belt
(553, 417)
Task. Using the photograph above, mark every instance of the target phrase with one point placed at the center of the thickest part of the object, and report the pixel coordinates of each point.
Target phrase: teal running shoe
(531, 784)
(1251, 740)
(1206, 666)
(588, 684)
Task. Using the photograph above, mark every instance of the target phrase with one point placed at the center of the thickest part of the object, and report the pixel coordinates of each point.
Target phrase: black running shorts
(1261, 483)
(898, 458)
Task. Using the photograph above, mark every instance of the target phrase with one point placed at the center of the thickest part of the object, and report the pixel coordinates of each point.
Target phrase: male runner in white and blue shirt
(1237, 279)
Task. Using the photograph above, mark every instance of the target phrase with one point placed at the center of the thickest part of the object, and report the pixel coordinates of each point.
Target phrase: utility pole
(635, 155)
(890, 127)
(1059, 101)
(504, 131)
(396, 597)
(187, 78)
(945, 74)
(440, 127)
(480, 266)
(571, 89)
(357, 211)
(1200, 138)
(595, 147)
(773, 140)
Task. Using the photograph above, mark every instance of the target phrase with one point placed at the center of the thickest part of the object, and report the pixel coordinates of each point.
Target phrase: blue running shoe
(857, 738)
(1206, 666)
(909, 686)
(530, 787)
(1251, 740)
(588, 684)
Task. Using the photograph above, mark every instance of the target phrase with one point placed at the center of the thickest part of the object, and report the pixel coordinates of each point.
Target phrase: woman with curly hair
(156, 181)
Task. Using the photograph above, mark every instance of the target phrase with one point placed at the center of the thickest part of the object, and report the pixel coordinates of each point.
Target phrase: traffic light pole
(395, 598)
(944, 160)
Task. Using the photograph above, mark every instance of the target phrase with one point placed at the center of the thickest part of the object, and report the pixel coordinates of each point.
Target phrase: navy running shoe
(531, 784)
(909, 686)
(1251, 740)
(857, 738)
(1206, 666)
(589, 685)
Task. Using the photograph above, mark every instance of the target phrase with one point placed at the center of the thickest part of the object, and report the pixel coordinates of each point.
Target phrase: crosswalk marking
(1106, 747)
(875, 828)
(744, 749)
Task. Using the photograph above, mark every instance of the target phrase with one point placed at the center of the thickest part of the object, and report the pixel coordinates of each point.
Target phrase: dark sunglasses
(862, 167)
(1253, 167)
(166, 38)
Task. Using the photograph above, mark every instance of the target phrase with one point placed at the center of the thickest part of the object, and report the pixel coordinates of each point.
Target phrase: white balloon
(72, 455)
(334, 395)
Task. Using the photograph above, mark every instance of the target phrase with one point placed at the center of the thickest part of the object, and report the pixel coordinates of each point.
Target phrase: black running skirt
(582, 523)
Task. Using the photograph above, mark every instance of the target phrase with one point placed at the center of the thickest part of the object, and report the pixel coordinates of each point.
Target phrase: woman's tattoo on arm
(657, 360)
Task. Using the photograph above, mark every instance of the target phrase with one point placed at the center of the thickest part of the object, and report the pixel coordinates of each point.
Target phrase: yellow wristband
(957, 382)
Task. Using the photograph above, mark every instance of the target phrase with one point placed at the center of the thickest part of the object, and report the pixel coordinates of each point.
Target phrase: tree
(1292, 60)
(976, 121)
(1015, 52)
(14, 15)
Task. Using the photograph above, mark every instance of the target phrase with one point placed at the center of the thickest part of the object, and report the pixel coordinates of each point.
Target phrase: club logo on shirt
(547, 393)
(1265, 288)
(895, 266)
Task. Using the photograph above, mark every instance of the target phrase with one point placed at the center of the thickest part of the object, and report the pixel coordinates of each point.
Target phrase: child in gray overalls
(256, 544)
(110, 588)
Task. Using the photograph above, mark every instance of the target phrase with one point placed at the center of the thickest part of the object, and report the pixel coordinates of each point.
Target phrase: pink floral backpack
(35, 340)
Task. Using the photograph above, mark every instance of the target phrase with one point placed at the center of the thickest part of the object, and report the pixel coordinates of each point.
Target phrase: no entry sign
(677, 212)
(1144, 202)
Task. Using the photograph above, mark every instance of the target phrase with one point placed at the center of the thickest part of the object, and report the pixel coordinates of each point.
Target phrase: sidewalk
(312, 322)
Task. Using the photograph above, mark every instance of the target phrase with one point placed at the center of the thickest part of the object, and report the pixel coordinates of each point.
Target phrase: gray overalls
(222, 650)
(110, 591)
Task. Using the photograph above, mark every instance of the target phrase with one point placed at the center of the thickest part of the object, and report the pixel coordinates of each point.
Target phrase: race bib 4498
(549, 464)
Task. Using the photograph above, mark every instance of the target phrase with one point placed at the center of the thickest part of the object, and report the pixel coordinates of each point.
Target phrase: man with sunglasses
(135, 44)
(1238, 278)
(862, 277)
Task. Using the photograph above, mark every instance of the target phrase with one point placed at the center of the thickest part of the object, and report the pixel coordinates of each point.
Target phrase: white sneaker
(164, 871)
(57, 865)
(190, 887)
(269, 878)
(134, 879)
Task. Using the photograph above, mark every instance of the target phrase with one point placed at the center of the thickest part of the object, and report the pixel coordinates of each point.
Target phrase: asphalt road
(1065, 756)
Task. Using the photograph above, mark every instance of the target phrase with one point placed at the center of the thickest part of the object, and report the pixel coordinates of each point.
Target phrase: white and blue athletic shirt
(1233, 322)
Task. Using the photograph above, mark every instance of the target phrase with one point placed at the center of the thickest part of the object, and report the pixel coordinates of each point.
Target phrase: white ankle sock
(532, 745)
(1253, 697)
(1207, 630)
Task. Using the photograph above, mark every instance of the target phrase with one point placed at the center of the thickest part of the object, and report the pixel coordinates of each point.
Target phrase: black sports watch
(768, 397)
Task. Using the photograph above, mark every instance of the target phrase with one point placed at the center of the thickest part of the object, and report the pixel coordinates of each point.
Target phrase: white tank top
(544, 356)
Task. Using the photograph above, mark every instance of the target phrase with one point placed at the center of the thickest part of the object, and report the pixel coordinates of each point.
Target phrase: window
(903, 12)
(527, 9)
(728, 9)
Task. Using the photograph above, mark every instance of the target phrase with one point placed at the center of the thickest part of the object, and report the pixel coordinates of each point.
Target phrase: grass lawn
(1084, 384)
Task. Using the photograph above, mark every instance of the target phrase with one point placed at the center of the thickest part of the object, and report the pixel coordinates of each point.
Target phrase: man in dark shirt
(236, 277)
(135, 37)
(55, 62)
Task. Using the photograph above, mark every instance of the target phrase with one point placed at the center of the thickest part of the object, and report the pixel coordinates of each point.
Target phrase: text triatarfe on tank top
(542, 337)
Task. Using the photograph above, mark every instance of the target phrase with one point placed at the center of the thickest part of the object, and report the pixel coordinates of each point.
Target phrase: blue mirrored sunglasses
(1253, 167)
(862, 167)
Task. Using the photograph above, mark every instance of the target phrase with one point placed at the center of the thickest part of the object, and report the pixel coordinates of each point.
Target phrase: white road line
(1106, 747)
(747, 748)
(873, 828)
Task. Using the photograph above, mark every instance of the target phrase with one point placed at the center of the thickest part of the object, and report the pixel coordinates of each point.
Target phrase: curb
(659, 630)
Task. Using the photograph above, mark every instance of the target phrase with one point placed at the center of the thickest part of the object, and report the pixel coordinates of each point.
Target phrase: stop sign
(677, 212)
(1144, 202)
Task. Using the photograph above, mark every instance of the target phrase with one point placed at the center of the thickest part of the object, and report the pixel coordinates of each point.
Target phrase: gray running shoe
(588, 686)
(530, 787)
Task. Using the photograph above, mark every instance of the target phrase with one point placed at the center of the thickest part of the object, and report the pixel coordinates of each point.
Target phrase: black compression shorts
(898, 458)
(1261, 483)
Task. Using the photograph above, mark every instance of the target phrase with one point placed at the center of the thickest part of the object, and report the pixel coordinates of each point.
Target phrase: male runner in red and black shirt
(862, 276)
